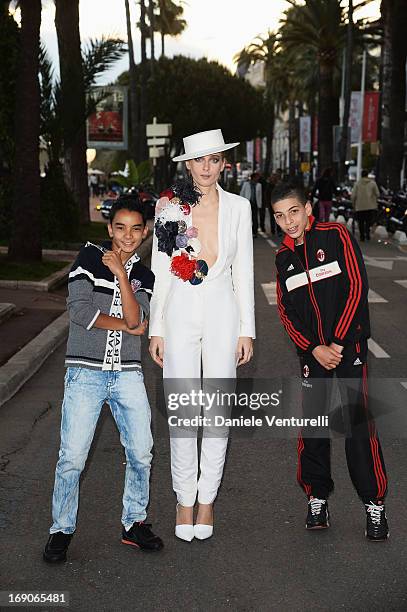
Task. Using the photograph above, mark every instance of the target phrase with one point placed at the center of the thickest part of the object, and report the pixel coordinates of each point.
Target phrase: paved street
(261, 557)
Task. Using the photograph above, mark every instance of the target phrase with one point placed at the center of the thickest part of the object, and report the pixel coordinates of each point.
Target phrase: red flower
(167, 193)
(186, 209)
(183, 267)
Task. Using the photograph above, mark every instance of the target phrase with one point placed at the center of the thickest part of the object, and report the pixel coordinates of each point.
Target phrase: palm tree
(318, 25)
(151, 19)
(264, 50)
(343, 147)
(133, 87)
(73, 103)
(9, 50)
(97, 57)
(25, 241)
(169, 21)
(143, 150)
(394, 50)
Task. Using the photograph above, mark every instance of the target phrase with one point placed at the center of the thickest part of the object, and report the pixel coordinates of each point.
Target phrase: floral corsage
(174, 237)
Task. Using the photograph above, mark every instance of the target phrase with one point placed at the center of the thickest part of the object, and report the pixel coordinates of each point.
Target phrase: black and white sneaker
(377, 528)
(318, 515)
(141, 536)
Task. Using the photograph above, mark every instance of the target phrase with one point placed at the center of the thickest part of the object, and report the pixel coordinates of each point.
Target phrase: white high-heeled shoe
(184, 532)
(203, 532)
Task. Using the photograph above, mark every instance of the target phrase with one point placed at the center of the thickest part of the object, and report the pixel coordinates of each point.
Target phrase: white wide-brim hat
(204, 143)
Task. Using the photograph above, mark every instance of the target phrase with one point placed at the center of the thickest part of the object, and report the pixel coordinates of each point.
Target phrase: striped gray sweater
(93, 290)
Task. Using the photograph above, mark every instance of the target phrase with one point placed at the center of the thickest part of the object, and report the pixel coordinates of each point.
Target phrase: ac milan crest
(321, 255)
(306, 371)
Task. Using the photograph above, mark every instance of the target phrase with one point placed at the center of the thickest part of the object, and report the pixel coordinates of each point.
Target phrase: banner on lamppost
(355, 116)
(305, 134)
(258, 151)
(315, 128)
(249, 151)
(107, 128)
(370, 116)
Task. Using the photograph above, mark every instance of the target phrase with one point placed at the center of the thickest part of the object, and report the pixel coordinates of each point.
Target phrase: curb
(30, 358)
(6, 311)
(51, 282)
(23, 365)
(49, 253)
(59, 277)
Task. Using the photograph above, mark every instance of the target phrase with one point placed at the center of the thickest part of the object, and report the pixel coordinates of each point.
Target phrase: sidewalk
(32, 325)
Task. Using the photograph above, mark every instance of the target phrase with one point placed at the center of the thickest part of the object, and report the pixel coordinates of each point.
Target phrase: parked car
(105, 207)
(146, 194)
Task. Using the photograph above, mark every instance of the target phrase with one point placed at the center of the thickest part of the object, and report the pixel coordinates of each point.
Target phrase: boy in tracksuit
(322, 291)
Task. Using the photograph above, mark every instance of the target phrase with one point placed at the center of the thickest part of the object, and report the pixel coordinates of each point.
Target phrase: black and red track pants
(363, 451)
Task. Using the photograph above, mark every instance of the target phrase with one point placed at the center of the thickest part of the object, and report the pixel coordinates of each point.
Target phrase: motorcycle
(397, 219)
(342, 204)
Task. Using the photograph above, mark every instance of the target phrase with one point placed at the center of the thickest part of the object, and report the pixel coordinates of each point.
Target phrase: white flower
(172, 212)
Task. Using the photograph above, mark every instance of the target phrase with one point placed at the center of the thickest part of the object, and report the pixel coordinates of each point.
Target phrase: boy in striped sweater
(108, 305)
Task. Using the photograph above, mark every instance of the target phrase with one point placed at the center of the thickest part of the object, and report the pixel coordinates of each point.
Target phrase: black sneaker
(141, 536)
(377, 528)
(56, 547)
(318, 515)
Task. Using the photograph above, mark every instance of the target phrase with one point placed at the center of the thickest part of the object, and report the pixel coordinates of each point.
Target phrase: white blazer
(235, 253)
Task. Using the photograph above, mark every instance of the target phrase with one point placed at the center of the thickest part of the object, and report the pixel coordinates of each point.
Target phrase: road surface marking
(404, 384)
(375, 298)
(270, 292)
(403, 283)
(379, 263)
(377, 350)
(269, 240)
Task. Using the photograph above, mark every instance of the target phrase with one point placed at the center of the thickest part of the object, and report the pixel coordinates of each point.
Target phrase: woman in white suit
(202, 309)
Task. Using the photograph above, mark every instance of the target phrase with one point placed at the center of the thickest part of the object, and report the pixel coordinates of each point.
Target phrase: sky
(217, 29)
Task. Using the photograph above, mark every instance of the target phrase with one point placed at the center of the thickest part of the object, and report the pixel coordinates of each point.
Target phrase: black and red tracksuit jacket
(325, 300)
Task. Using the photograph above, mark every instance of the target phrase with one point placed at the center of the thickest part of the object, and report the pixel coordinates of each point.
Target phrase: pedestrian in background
(268, 185)
(324, 188)
(274, 180)
(252, 191)
(364, 199)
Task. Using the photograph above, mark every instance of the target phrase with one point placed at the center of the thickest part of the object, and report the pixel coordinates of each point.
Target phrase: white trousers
(201, 335)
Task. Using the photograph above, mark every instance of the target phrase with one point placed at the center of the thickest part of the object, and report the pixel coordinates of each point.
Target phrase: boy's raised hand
(113, 261)
(328, 356)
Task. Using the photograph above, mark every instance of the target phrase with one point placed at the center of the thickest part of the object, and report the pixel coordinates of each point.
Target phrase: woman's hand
(244, 351)
(157, 350)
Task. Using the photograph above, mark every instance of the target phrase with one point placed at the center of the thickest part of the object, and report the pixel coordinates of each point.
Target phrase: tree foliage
(9, 49)
(135, 174)
(198, 95)
(98, 56)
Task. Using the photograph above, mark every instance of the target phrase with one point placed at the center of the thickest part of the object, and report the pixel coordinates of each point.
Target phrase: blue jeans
(85, 393)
